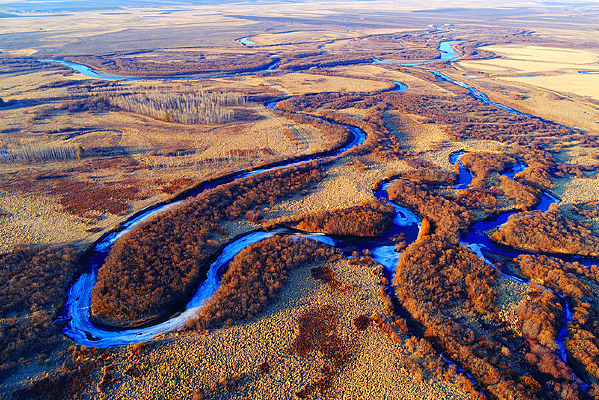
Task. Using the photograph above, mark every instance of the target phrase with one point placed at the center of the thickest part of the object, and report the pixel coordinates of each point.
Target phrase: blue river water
(77, 322)
(447, 51)
(445, 48)
(247, 42)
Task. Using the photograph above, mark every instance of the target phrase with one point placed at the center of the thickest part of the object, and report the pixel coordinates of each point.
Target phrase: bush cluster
(550, 232)
(370, 218)
(153, 269)
(255, 276)
(34, 282)
(451, 293)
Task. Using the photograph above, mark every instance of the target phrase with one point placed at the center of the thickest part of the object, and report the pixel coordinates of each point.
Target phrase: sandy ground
(194, 362)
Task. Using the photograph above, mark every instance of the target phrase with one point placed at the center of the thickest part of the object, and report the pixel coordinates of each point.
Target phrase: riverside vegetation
(457, 283)
(444, 310)
(131, 285)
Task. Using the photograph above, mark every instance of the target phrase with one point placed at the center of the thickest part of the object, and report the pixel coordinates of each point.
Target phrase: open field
(234, 354)
(528, 59)
(556, 69)
(128, 149)
(428, 311)
(577, 83)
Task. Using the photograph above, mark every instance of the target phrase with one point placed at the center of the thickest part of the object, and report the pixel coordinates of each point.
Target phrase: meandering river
(76, 317)
(92, 73)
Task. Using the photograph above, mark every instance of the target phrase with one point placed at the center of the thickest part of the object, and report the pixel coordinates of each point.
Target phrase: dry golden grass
(533, 59)
(160, 152)
(576, 83)
(575, 190)
(559, 66)
(343, 186)
(302, 83)
(414, 83)
(559, 106)
(176, 366)
(420, 137)
(550, 55)
(297, 37)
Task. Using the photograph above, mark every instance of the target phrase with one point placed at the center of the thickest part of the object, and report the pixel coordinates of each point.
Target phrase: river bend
(76, 318)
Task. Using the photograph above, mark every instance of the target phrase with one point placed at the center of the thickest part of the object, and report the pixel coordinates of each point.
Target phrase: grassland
(127, 150)
(104, 162)
(556, 69)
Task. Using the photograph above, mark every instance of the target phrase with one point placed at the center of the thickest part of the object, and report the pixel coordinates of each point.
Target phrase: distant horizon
(42, 6)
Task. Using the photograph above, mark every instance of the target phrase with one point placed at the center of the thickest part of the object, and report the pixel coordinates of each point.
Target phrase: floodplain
(328, 200)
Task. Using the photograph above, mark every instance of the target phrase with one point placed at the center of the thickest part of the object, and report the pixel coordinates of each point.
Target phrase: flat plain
(483, 288)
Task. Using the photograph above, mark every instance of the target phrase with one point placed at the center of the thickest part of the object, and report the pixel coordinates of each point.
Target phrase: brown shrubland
(482, 164)
(550, 232)
(34, 282)
(579, 284)
(154, 268)
(317, 332)
(144, 63)
(370, 218)
(438, 281)
(254, 278)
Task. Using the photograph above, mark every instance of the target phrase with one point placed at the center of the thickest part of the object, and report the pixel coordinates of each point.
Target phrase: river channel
(76, 318)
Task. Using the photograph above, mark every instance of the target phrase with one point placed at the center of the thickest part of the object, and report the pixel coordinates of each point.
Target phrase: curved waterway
(477, 241)
(76, 318)
(92, 73)
(445, 48)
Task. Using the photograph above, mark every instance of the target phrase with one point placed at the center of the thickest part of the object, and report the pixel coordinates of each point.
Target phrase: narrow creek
(477, 241)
